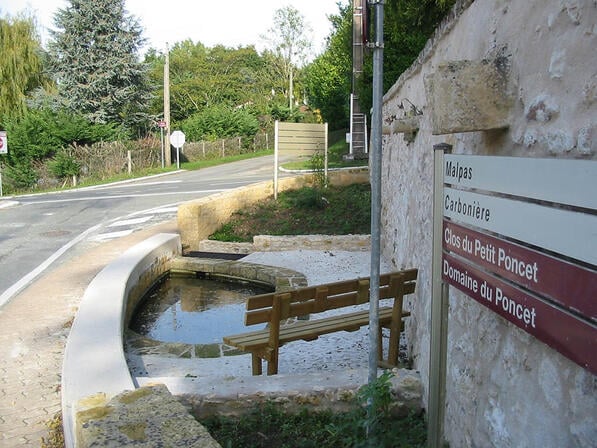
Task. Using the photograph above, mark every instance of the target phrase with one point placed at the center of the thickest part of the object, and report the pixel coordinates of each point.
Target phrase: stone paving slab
(34, 327)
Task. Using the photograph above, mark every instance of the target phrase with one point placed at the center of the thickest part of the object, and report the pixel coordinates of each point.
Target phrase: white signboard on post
(177, 139)
(3, 143)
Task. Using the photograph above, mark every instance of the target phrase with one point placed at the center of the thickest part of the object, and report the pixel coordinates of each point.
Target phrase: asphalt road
(40, 231)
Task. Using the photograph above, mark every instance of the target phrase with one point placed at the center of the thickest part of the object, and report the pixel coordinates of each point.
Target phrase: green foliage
(21, 68)
(64, 165)
(317, 163)
(202, 77)
(93, 56)
(267, 425)
(19, 175)
(284, 113)
(42, 132)
(219, 122)
(328, 77)
(407, 26)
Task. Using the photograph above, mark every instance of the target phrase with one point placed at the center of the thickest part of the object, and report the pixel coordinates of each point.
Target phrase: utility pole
(167, 155)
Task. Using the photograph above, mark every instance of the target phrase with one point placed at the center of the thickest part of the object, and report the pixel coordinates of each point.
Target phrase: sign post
(3, 150)
(177, 140)
(439, 311)
(162, 125)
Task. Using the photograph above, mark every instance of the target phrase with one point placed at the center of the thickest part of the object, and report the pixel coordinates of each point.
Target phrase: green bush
(19, 176)
(219, 122)
(64, 165)
(42, 132)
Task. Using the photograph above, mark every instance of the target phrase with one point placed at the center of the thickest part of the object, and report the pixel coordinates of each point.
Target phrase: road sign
(3, 143)
(161, 124)
(177, 139)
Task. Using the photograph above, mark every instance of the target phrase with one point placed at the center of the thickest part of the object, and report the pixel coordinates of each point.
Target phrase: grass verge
(309, 210)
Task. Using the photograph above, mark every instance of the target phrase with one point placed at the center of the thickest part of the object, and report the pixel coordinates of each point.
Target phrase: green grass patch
(268, 426)
(327, 211)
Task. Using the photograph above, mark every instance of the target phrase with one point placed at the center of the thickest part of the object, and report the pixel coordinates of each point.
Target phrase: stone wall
(504, 388)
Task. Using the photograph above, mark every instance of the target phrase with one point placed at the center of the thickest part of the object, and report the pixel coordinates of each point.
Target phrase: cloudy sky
(228, 22)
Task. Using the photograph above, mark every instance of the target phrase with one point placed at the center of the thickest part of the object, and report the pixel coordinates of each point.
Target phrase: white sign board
(553, 180)
(177, 139)
(3, 143)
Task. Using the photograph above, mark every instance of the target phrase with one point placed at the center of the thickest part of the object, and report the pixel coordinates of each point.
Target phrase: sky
(232, 23)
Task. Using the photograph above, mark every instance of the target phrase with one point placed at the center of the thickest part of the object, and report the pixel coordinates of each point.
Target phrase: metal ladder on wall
(358, 132)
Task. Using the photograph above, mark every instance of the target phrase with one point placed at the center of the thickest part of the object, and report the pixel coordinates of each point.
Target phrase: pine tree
(94, 59)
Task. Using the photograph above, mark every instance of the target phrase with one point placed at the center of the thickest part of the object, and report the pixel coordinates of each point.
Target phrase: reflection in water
(194, 311)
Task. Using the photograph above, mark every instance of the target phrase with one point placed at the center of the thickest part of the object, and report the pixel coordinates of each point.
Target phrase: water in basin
(194, 310)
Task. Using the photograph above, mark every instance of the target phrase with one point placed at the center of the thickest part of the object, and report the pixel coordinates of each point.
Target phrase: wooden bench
(276, 308)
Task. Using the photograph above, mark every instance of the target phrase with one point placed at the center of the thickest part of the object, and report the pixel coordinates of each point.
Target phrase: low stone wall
(317, 392)
(269, 243)
(200, 218)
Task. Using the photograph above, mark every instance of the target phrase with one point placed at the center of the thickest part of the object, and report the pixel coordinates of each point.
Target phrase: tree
(93, 56)
(407, 26)
(202, 78)
(289, 41)
(21, 69)
(328, 77)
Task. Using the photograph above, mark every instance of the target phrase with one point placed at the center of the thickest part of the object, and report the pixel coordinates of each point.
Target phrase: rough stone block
(465, 96)
(146, 417)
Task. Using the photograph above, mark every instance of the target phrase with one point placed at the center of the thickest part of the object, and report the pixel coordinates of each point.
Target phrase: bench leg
(380, 344)
(256, 364)
(272, 363)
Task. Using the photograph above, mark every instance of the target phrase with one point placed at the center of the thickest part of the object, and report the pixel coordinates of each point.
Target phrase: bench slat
(301, 294)
(260, 316)
(307, 330)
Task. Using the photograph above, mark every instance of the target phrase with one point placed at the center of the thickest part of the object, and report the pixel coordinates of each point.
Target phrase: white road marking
(20, 285)
(165, 210)
(111, 235)
(130, 222)
(139, 184)
(127, 196)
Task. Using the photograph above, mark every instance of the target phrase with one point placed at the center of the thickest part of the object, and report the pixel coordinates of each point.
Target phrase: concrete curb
(94, 359)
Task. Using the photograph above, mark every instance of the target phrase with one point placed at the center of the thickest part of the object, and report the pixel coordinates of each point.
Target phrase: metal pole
(439, 310)
(325, 169)
(276, 150)
(376, 128)
(162, 145)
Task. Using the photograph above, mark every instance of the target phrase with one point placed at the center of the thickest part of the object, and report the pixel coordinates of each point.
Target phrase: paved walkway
(33, 329)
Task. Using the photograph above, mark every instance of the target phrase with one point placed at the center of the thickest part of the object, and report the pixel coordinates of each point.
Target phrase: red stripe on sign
(572, 286)
(573, 337)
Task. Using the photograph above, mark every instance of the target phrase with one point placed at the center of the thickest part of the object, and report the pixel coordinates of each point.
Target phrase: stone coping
(94, 359)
